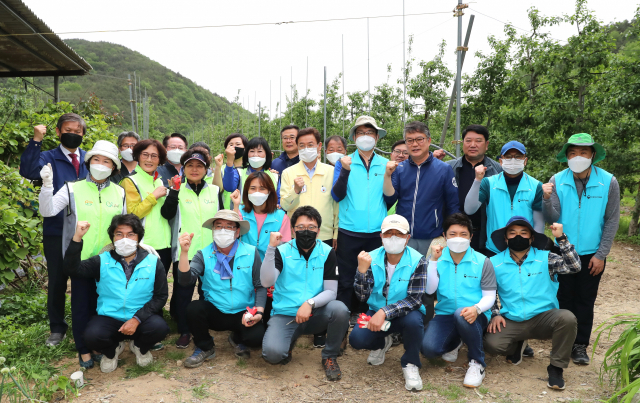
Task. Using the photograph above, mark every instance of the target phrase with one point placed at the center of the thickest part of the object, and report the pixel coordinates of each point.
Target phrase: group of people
(287, 246)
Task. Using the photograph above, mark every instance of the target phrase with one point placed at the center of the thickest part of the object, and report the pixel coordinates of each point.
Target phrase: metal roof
(38, 53)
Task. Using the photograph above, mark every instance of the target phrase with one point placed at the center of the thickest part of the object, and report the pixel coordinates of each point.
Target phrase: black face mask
(71, 140)
(305, 239)
(518, 243)
(239, 152)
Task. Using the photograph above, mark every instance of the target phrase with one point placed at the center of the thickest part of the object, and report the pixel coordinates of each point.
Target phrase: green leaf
(21, 253)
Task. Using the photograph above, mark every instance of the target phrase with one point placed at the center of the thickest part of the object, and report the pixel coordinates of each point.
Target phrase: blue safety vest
(583, 219)
(501, 208)
(398, 283)
(235, 294)
(121, 299)
(272, 223)
(459, 285)
(300, 279)
(528, 290)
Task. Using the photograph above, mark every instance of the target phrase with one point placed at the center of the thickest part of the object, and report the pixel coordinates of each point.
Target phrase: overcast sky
(254, 59)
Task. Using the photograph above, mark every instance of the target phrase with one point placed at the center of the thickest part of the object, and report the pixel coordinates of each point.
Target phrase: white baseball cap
(395, 221)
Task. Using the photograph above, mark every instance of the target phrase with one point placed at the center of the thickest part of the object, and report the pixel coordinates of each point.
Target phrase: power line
(510, 24)
(29, 82)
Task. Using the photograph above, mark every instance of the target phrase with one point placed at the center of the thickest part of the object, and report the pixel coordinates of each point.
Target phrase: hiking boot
(239, 349)
(475, 375)
(319, 340)
(199, 356)
(579, 354)
(412, 380)
(331, 369)
(376, 357)
(353, 319)
(396, 339)
(555, 377)
(110, 364)
(183, 341)
(452, 356)
(55, 339)
(528, 352)
(141, 359)
(516, 358)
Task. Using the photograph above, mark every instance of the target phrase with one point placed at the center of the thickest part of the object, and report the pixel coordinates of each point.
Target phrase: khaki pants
(559, 325)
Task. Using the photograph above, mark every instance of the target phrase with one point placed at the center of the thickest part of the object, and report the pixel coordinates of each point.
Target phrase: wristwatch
(311, 302)
(478, 309)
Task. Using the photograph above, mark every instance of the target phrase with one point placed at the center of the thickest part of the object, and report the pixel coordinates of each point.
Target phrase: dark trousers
(102, 334)
(577, 293)
(203, 315)
(57, 286)
(84, 300)
(347, 255)
(180, 299)
(165, 258)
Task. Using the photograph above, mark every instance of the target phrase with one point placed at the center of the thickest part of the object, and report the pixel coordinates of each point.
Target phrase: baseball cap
(395, 221)
(513, 145)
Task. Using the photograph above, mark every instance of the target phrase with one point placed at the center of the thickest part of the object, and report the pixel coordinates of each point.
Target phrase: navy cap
(539, 239)
(197, 156)
(513, 145)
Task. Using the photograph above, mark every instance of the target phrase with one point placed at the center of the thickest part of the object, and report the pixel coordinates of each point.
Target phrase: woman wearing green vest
(238, 143)
(146, 196)
(96, 200)
(186, 208)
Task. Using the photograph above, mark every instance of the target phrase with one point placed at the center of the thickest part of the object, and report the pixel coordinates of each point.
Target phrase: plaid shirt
(417, 286)
(99, 185)
(568, 262)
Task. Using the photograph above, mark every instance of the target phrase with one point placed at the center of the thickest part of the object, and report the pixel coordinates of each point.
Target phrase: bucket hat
(106, 149)
(582, 139)
(228, 215)
(363, 120)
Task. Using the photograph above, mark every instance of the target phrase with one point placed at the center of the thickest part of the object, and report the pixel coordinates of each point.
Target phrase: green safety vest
(157, 232)
(193, 210)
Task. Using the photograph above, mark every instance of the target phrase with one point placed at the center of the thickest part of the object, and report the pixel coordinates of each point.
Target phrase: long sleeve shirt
(135, 205)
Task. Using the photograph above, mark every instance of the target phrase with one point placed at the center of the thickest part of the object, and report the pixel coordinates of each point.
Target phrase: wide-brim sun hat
(106, 149)
(539, 239)
(363, 120)
(582, 139)
(228, 215)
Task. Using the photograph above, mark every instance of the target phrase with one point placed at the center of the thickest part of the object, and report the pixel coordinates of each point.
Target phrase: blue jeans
(445, 332)
(409, 325)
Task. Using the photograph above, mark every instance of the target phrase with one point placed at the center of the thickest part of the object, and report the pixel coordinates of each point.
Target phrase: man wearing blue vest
(527, 279)
(132, 289)
(229, 271)
(586, 200)
(357, 187)
(67, 165)
(392, 280)
(466, 285)
(510, 193)
(304, 273)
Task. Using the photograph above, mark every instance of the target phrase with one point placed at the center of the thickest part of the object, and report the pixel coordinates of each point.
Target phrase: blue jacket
(32, 161)
(426, 194)
(283, 162)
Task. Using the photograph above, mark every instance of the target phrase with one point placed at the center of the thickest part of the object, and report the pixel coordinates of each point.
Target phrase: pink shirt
(285, 228)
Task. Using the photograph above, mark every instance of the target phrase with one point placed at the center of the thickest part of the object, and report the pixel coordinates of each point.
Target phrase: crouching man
(132, 289)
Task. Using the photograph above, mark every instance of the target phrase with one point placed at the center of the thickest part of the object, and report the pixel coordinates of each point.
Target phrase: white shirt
(68, 153)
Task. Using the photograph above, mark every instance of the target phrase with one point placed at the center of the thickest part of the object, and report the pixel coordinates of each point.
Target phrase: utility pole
(404, 73)
(343, 116)
(145, 116)
(259, 108)
(368, 71)
(325, 111)
(306, 95)
(459, 50)
(291, 100)
(133, 127)
(135, 97)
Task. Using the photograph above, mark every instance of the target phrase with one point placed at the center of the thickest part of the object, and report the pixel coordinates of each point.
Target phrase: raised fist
(82, 228)
(46, 173)
(298, 184)
(235, 198)
(160, 192)
(346, 163)
(364, 262)
(480, 171)
(436, 252)
(275, 239)
(439, 154)
(556, 230)
(230, 151)
(547, 188)
(185, 241)
(219, 159)
(391, 167)
(39, 132)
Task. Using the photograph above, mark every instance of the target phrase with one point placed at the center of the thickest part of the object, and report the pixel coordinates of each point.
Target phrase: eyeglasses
(419, 141)
(147, 156)
(128, 146)
(227, 227)
(369, 133)
(181, 148)
(399, 152)
(516, 157)
(289, 138)
(303, 228)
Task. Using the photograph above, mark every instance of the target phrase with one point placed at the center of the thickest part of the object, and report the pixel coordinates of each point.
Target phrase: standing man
(399, 153)
(126, 142)
(66, 167)
(357, 186)
(176, 144)
(586, 200)
(475, 144)
(290, 155)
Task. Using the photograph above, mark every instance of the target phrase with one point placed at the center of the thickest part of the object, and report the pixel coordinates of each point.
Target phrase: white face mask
(458, 244)
(258, 198)
(99, 171)
(125, 246)
(224, 237)
(334, 157)
(174, 156)
(308, 154)
(365, 143)
(394, 245)
(127, 154)
(512, 166)
(256, 162)
(579, 164)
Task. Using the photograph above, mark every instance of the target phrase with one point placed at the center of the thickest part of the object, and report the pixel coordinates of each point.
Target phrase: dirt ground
(227, 379)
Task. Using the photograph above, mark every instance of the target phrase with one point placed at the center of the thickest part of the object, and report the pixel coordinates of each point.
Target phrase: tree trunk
(635, 215)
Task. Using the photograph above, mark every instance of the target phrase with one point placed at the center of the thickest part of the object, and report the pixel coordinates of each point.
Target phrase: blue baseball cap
(513, 145)
(539, 239)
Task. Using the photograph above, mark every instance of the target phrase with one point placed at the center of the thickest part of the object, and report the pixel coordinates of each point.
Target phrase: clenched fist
(556, 230)
(439, 154)
(185, 241)
(364, 262)
(230, 151)
(346, 163)
(160, 192)
(298, 184)
(436, 252)
(275, 239)
(39, 132)
(480, 171)
(391, 167)
(219, 159)
(235, 198)
(81, 229)
(547, 189)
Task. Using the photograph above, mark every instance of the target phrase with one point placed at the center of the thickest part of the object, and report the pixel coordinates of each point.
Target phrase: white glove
(46, 173)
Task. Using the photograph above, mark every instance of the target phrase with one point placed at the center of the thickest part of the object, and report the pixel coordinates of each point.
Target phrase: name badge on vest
(323, 189)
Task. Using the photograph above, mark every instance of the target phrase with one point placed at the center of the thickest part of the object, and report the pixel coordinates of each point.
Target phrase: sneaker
(110, 364)
(452, 356)
(528, 352)
(353, 319)
(412, 380)
(475, 375)
(579, 354)
(239, 349)
(199, 356)
(85, 364)
(376, 357)
(331, 369)
(55, 339)
(141, 359)
(319, 340)
(157, 347)
(555, 377)
(287, 359)
(396, 339)
(516, 358)
(183, 341)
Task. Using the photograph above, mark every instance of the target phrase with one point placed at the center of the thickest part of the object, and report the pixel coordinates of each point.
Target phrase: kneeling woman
(466, 286)
(132, 289)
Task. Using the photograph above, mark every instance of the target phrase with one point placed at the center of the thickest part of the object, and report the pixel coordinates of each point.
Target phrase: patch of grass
(170, 280)
(241, 363)
(438, 362)
(574, 401)
(136, 370)
(483, 390)
(175, 355)
(304, 346)
(451, 392)
(201, 392)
